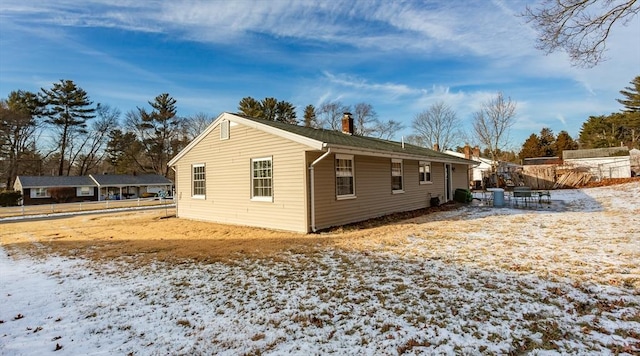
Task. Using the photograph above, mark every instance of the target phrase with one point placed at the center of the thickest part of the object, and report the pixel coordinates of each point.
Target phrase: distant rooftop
(596, 152)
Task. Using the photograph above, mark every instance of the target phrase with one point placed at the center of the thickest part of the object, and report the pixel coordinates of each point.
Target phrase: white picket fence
(46, 209)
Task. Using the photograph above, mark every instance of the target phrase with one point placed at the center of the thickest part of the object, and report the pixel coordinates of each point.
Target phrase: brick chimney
(436, 147)
(467, 151)
(476, 151)
(347, 124)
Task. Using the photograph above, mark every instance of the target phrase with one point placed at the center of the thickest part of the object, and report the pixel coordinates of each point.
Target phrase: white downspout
(312, 190)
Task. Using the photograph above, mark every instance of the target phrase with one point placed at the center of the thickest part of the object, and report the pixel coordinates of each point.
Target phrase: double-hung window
(198, 181)
(345, 184)
(425, 173)
(396, 176)
(40, 193)
(262, 179)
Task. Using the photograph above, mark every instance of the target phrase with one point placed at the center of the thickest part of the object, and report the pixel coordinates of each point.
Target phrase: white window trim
(422, 164)
(397, 160)
(353, 177)
(32, 193)
(268, 199)
(199, 196)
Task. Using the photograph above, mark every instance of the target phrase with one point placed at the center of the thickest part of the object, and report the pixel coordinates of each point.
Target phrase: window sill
(345, 197)
(397, 192)
(423, 183)
(199, 197)
(263, 199)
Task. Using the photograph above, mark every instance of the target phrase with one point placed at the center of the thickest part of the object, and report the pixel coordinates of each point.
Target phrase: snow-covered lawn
(468, 281)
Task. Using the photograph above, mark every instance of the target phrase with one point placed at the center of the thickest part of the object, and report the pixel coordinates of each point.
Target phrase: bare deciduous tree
(92, 143)
(580, 27)
(196, 124)
(330, 114)
(386, 129)
(365, 119)
(492, 123)
(438, 125)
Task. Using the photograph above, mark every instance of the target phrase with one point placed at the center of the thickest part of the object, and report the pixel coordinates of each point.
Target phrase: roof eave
(394, 154)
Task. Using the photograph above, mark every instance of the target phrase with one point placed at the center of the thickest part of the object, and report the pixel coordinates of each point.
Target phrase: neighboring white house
(611, 162)
(480, 175)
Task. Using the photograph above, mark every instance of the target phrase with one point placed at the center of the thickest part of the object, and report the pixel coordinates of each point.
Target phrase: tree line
(59, 131)
(89, 138)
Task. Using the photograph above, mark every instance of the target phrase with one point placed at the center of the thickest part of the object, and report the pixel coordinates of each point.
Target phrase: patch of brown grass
(151, 235)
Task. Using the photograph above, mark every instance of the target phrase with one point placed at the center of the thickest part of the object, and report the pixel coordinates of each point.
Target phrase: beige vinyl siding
(373, 192)
(460, 177)
(228, 181)
(437, 177)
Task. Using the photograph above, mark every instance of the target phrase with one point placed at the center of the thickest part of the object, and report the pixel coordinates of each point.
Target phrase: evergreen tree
(310, 116)
(531, 148)
(17, 127)
(547, 142)
(565, 142)
(286, 112)
(250, 107)
(67, 109)
(269, 108)
(157, 131)
(123, 151)
(632, 95)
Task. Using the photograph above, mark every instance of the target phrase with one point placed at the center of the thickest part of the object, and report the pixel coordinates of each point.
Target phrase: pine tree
(564, 142)
(67, 109)
(547, 142)
(310, 116)
(158, 130)
(632, 94)
(250, 107)
(531, 148)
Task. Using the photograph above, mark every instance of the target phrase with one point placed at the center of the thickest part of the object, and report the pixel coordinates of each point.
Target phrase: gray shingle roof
(102, 179)
(55, 181)
(130, 180)
(332, 137)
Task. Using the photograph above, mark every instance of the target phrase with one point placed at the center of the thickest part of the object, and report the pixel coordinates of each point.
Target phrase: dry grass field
(600, 246)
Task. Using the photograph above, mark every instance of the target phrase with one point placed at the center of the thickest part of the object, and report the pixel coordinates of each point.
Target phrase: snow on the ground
(382, 301)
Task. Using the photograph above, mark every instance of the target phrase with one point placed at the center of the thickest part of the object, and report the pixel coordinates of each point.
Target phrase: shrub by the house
(62, 194)
(10, 198)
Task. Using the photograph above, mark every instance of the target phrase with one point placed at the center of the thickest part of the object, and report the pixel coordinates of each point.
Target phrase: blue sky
(399, 56)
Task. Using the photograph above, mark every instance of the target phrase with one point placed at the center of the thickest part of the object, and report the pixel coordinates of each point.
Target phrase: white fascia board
(313, 144)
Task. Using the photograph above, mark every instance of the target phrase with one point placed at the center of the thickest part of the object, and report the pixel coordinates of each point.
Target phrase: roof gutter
(389, 154)
(312, 188)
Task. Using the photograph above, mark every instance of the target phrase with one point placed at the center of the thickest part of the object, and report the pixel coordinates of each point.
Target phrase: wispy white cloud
(492, 47)
(392, 89)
